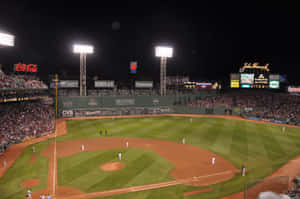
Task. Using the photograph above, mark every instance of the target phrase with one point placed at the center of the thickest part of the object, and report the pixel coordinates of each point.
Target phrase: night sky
(211, 39)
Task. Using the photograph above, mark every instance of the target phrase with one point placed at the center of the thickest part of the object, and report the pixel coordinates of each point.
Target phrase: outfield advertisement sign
(68, 83)
(125, 102)
(104, 84)
(143, 84)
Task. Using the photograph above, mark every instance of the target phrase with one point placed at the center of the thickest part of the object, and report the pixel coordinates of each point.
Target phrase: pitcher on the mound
(213, 160)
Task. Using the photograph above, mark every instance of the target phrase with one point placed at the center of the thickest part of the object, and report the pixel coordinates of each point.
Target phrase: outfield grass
(262, 148)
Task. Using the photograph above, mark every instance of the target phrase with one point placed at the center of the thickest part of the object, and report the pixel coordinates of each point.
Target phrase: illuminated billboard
(133, 67)
(274, 84)
(246, 86)
(293, 89)
(247, 78)
(235, 83)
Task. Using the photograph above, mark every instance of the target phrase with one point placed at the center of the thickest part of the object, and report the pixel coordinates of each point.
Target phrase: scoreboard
(252, 80)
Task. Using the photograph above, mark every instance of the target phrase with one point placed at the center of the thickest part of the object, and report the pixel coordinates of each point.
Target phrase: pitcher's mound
(112, 166)
(30, 183)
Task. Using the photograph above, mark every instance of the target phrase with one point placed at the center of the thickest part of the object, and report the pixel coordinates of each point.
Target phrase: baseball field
(156, 164)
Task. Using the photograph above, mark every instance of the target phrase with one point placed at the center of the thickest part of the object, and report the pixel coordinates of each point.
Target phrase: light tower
(83, 50)
(163, 52)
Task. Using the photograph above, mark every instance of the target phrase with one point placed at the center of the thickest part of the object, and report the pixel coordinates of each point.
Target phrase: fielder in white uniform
(82, 147)
(4, 164)
(283, 129)
(29, 193)
(127, 144)
(191, 120)
(183, 140)
(120, 156)
(33, 149)
(213, 160)
(243, 170)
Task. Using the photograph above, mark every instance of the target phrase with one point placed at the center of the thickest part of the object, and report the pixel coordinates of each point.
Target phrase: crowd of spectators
(24, 120)
(20, 82)
(260, 104)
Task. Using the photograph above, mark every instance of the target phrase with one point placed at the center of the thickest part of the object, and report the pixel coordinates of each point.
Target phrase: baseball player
(183, 140)
(120, 156)
(127, 144)
(29, 194)
(105, 132)
(82, 147)
(4, 164)
(48, 197)
(191, 120)
(42, 196)
(213, 160)
(243, 170)
(100, 132)
(33, 148)
(283, 129)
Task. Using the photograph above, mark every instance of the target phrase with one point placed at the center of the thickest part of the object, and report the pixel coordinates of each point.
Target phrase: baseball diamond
(156, 164)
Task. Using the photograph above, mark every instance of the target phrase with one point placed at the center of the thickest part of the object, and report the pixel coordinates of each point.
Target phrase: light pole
(163, 52)
(7, 39)
(83, 50)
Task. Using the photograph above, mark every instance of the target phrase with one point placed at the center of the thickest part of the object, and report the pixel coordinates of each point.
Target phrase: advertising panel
(274, 84)
(104, 84)
(292, 89)
(28, 68)
(176, 80)
(235, 83)
(133, 67)
(274, 77)
(261, 79)
(203, 85)
(246, 86)
(247, 78)
(68, 83)
(143, 84)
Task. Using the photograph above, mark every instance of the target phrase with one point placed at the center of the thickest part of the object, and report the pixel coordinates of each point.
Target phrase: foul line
(54, 165)
(144, 187)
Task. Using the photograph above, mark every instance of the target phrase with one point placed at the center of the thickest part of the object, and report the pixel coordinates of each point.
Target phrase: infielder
(33, 148)
(120, 156)
(183, 140)
(283, 129)
(191, 120)
(4, 164)
(82, 147)
(243, 170)
(213, 160)
(126, 144)
(29, 194)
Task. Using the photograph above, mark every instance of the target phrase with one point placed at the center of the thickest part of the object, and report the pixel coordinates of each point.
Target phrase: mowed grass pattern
(142, 166)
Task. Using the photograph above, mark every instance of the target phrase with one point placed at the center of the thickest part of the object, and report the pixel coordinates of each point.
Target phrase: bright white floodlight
(85, 49)
(7, 39)
(161, 51)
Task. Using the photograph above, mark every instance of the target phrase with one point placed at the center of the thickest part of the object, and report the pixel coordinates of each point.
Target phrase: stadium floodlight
(163, 52)
(83, 50)
(86, 49)
(7, 39)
